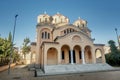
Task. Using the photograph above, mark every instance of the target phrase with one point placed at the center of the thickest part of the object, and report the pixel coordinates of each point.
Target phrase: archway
(77, 57)
(98, 54)
(88, 55)
(65, 54)
(52, 58)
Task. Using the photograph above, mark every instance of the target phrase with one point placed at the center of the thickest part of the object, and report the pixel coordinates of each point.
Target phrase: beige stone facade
(59, 42)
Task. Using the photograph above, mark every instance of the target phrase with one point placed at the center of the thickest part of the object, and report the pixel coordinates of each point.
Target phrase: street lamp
(117, 37)
(12, 42)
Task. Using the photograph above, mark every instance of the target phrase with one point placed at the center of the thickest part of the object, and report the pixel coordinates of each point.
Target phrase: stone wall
(2, 68)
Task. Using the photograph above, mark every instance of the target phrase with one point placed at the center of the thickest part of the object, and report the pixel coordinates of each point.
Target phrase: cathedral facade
(61, 43)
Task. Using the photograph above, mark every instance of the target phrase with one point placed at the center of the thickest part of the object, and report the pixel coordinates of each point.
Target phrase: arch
(98, 55)
(65, 54)
(88, 54)
(47, 29)
(77, 56)
(52, 56)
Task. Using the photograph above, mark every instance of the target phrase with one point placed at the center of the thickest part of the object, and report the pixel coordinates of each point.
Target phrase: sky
(103, 16)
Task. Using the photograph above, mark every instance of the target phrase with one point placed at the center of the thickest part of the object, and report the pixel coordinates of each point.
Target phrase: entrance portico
(76, 55)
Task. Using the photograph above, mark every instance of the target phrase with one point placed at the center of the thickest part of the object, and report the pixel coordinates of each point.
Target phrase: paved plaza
(22, 73)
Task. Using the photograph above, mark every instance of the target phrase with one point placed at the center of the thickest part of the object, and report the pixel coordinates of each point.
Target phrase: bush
(113, 58)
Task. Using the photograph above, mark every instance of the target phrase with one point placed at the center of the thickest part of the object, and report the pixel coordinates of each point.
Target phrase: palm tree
(5, 49)
(26, 48)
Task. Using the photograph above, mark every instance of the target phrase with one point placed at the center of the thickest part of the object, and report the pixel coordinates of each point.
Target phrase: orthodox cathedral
(60, 43)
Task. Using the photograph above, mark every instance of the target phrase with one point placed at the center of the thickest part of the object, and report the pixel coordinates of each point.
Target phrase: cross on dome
(45, 12)
(58, 13)
(79, 18)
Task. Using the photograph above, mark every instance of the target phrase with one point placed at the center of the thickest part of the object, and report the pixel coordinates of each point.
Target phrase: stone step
(73, 68)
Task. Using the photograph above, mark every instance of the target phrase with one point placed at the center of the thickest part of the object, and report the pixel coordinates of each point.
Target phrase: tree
(113, 48)
(16, 56)
(113, 58)
(5, 49)
(26, 47)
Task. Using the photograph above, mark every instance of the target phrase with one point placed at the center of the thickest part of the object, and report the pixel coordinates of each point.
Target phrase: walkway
(22, 73)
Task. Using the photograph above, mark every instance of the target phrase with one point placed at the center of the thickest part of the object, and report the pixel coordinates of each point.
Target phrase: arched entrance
(77, 57)
(52, 58)
(98, 54)
(65, 54)
(88, 55)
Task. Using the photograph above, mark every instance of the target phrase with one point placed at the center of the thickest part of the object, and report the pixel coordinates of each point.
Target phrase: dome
(43, 18)
(80, 23)
(59, 18)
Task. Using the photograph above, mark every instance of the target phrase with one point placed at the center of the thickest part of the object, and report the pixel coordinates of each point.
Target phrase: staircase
(73, 68)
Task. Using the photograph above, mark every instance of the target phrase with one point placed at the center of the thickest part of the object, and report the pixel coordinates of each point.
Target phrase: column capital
(82, 48)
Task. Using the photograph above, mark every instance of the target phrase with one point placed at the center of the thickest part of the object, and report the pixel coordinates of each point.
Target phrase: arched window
(78, 25)
(55, 20)
(69, 30)
(64, 31)
(42, 35)
(45, 19)
(48, 35)
(83, 25)
(45, 35)
(40, 20)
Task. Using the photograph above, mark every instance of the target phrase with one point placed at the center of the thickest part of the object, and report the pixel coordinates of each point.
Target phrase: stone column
(59, 56)
(71, 53)
(83, 57)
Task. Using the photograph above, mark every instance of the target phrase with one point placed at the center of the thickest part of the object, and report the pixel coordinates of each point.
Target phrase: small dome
(80, 23)
(43, 18)
(59, 18)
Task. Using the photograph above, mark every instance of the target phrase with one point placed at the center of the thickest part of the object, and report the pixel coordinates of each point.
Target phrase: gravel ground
(22, 73)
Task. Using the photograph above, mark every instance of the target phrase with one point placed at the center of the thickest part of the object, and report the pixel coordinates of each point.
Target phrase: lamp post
(117, 37)
(12, 42)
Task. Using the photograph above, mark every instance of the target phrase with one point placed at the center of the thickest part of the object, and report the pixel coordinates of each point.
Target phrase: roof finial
(44, 12)
(79, 18)
(58, 13)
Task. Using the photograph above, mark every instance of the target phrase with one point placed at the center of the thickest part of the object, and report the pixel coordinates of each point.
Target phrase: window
(42, 35)
(45, 35)
(55, 20)
(63, 56)
(45, 19)
(83, 25)
(48, 35)
(78, 25)
(64, 31)
(40, 20)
